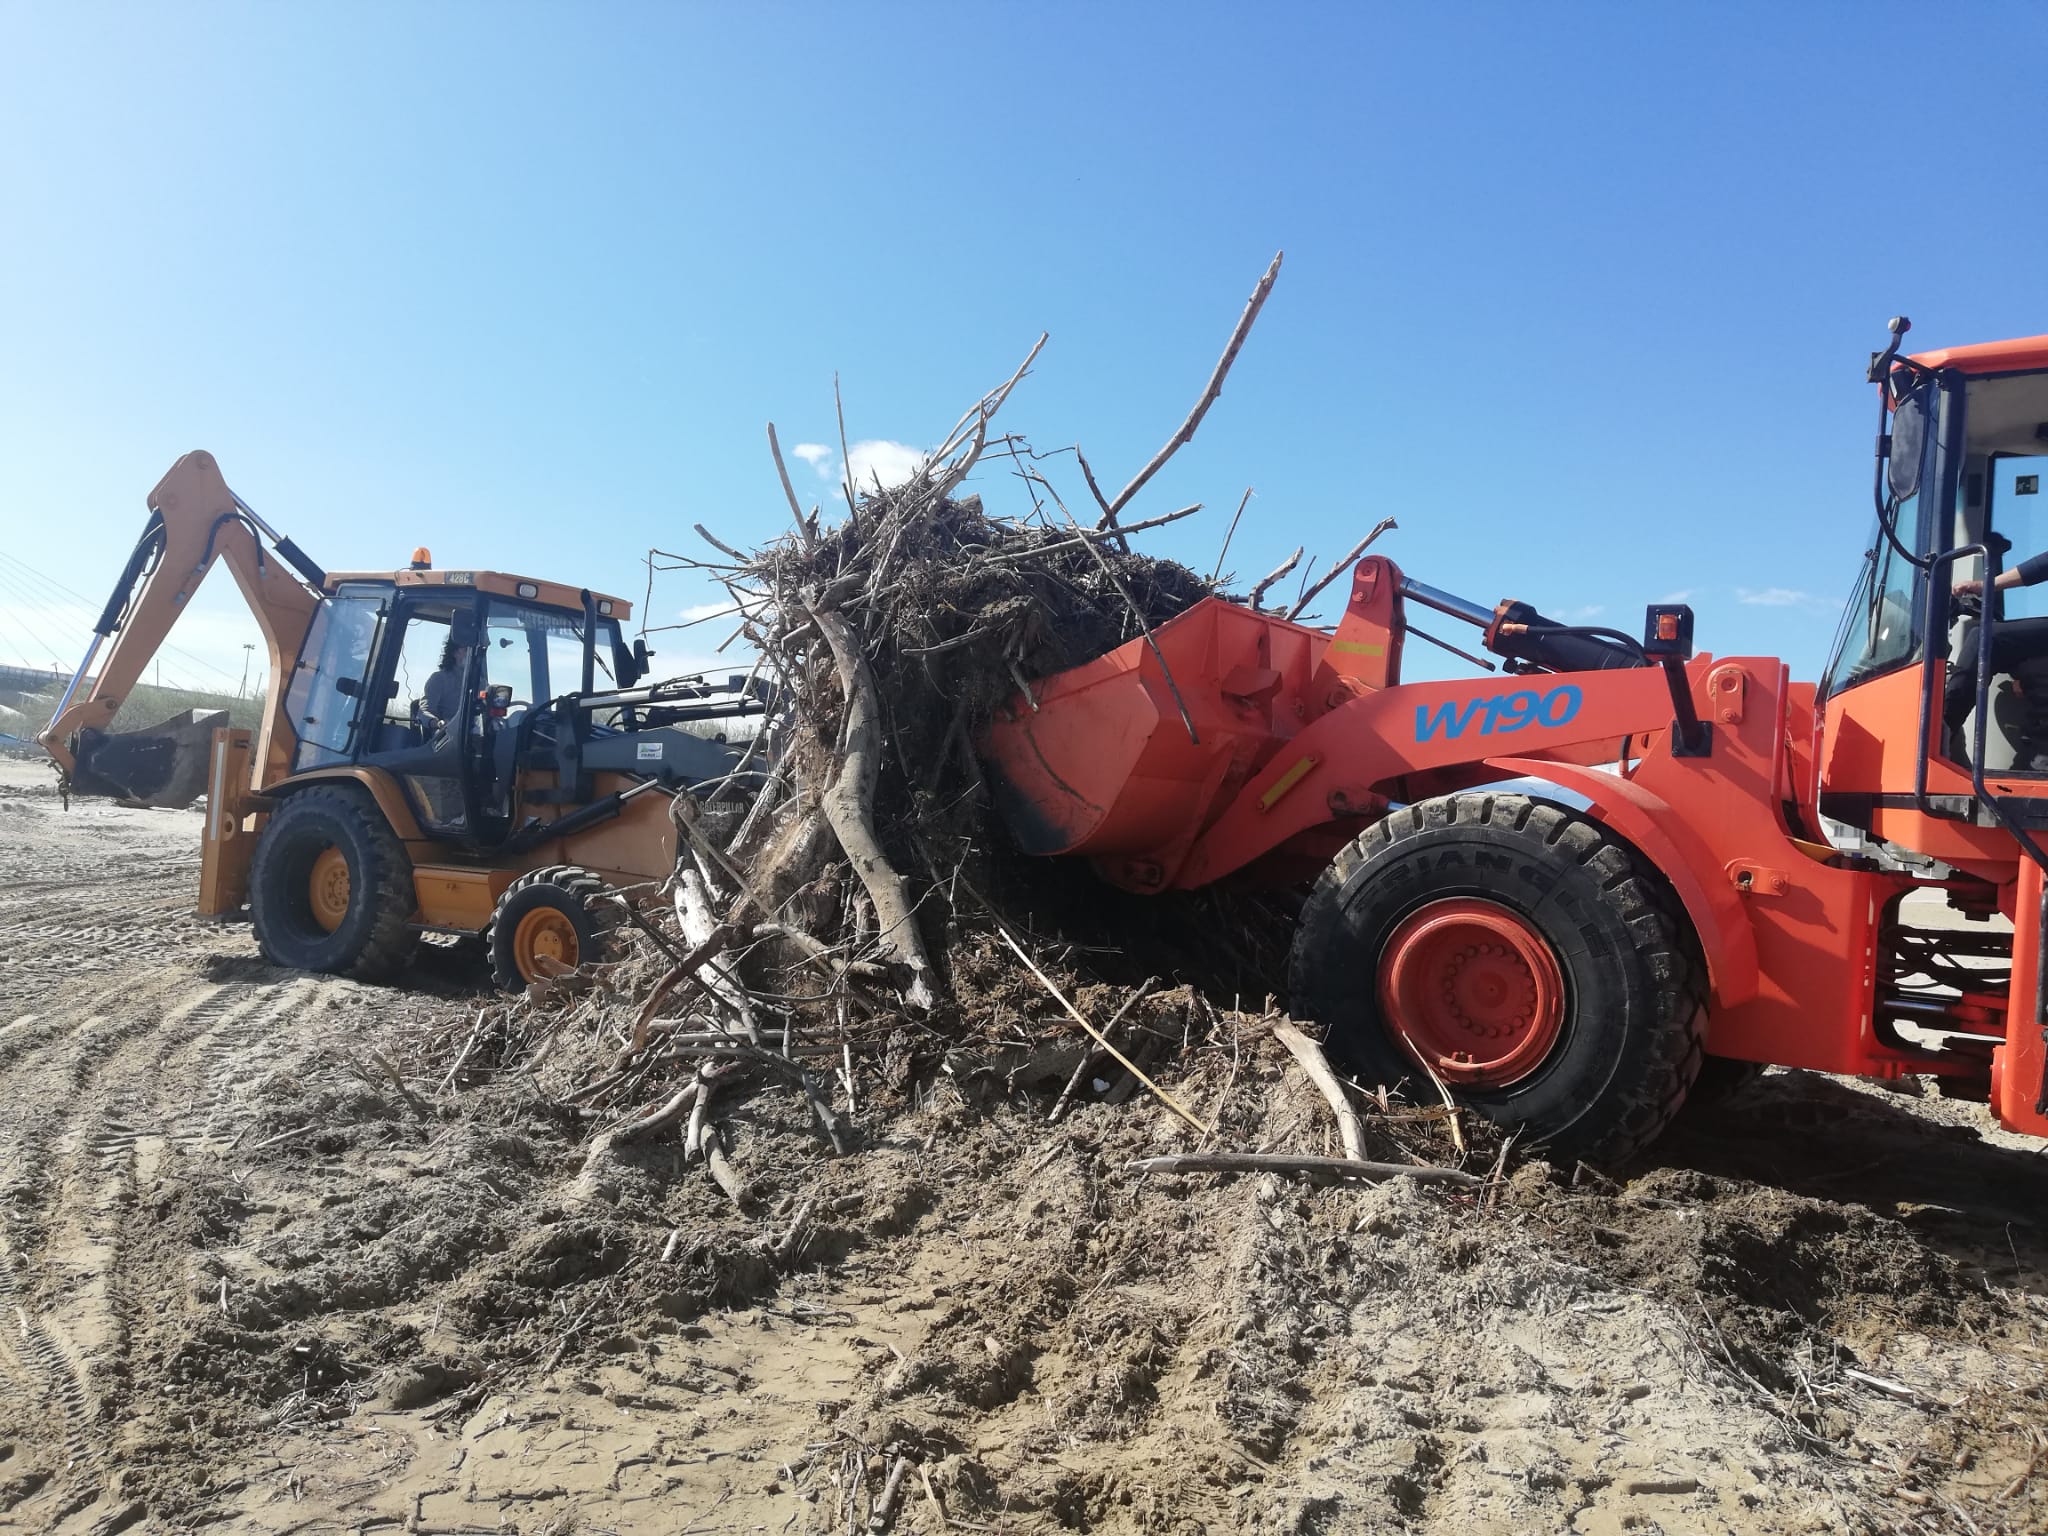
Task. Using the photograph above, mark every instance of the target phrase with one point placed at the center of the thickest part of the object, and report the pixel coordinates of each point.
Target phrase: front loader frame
(1295, 739)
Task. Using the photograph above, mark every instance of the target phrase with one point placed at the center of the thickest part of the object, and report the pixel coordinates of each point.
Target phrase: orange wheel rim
(545, 944)
(1473, 992)
(327, 888)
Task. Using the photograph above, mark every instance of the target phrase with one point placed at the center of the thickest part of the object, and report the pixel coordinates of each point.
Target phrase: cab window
(1880, 628)
(325, 696)
(538, 652)
(2019, 511)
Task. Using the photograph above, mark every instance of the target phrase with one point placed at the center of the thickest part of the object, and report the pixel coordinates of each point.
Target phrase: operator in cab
(2030, 572)
(2020, 703)
(441, 700)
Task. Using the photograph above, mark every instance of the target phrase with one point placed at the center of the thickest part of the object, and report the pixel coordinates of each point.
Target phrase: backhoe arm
(194, 520)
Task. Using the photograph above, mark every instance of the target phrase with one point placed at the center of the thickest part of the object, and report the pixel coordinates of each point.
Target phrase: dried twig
(1081, 1019)
(284, 1136)
(1301, 603)
(716, 942)
(892, 1490)
(467, 1046)
(721, 1168)
(1229, 534)
(1450, 1105)
(1280, 1162)
(795, 507)
(413, 1100)
(1214, 388)
(1277, 574)
(718, 544)
(845, 457)
(1089, 1057)
(1350, 1129)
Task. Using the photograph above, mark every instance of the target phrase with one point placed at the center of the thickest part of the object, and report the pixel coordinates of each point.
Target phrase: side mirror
(643, 659)
(1909, 444)
(348, 687)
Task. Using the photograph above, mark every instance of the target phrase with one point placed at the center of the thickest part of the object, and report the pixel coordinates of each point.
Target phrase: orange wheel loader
(1577, 890)
(437, 752)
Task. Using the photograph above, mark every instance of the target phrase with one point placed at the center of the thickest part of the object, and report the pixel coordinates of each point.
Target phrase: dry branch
(1100, 1039)
(1279, 572)
(1230, 533)
(1281, 1162)
(1094, 1054)
(1301, 603)
(796, 509)
(1350, 1129)
(849, 804)
(1215, 387)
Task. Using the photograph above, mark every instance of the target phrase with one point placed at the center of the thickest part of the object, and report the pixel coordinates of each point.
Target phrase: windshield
(1881, 626)
(538, 652)
(325, 694)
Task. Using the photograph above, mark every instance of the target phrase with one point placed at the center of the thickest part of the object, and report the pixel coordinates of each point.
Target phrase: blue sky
(1580, 294)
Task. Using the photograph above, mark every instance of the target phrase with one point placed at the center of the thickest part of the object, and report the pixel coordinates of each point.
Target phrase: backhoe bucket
(163, 766)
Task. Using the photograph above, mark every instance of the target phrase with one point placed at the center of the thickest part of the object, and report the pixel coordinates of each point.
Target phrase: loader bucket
(165, 765)
(1100, 761)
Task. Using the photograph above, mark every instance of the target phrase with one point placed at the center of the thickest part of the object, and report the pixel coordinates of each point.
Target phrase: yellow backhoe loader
(436, 753)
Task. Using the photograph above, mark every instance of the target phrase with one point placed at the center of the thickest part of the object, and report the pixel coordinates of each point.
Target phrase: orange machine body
(1249, 746)
(452, 895)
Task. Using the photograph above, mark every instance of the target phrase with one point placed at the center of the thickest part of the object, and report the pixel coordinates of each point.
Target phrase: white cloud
(1589, 611)
(1777, 597)
(1683, 594)
(698, 611)
(879, 459)
(818, 456)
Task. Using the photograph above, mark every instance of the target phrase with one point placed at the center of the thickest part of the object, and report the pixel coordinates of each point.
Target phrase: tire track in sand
(97, 1096)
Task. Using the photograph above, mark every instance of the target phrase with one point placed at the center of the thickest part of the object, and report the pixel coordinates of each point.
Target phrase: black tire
(1721, 1080)
(374, 939)
(1633, 1017)
(578, 895)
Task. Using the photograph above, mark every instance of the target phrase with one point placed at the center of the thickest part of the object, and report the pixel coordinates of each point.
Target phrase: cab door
(326, 700)
(2015, 511)
(1890, 698)
(424, 711)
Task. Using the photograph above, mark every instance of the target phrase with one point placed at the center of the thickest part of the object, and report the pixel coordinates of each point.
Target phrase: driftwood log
(848, 803)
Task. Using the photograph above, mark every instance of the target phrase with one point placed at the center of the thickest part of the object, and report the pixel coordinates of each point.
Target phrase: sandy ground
(265, 1273)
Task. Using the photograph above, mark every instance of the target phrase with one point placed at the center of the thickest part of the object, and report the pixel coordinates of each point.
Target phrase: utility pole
(248, 648)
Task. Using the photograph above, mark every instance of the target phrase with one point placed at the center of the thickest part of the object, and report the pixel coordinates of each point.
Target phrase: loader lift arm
(194, 520)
